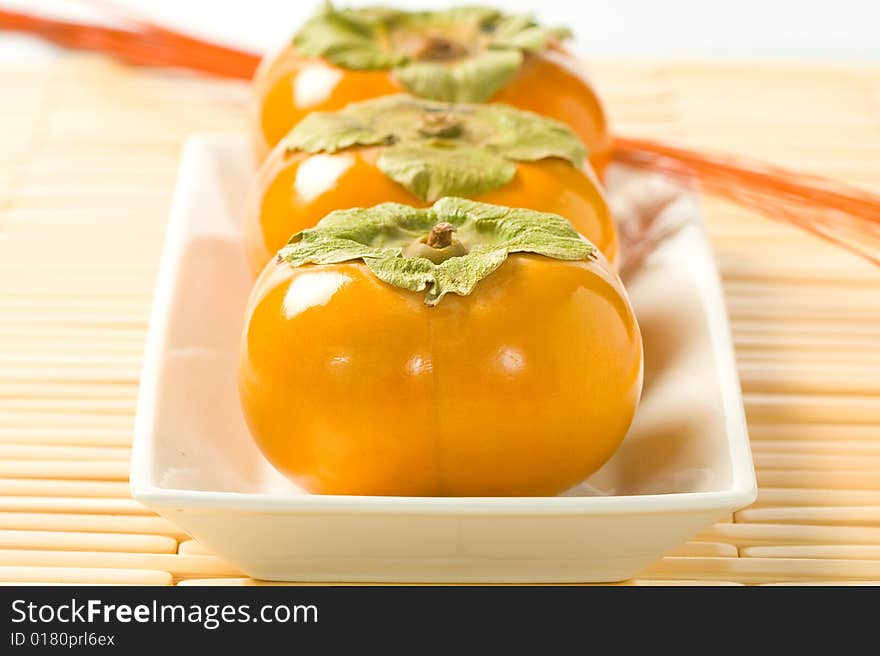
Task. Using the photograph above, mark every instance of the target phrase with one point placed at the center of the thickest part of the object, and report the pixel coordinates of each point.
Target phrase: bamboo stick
(818, 448)
(842, 479)
(67, 389)
(174, 563)
(46, 452)
(63, 421)
(764, 378)
(759, 570)
(766, 355)
(246, 582)
(820, 515)
(699, 548)
(813, 461)
(106, 470)
(803, 344)
(812, 408)
(800, 294)
(192, 548)
(825, 583)
(84, 575)
(681, 583)
(753, 535)
(78, 541)
(82, 522)
(83, 435)
(102, 506)
(750, 308)
(811, 431)
(846, 552)
(237, 582)
(44, 488)
(45, 334)
(46, 406)
(733, 270)
(787, 497)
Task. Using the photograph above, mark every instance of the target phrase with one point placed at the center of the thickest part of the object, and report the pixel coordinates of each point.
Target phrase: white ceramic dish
(685, 463)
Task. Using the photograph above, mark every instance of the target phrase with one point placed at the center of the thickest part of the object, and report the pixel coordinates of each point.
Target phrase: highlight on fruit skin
(464, 54)
(413, 151)
(508, 362)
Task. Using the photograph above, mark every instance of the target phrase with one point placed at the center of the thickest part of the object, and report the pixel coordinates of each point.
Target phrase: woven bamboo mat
(88, 152)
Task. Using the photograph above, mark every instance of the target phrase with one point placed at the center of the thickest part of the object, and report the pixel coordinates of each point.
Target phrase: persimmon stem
(438, 245)
(440, 235)
(436, 47)
(440, 124)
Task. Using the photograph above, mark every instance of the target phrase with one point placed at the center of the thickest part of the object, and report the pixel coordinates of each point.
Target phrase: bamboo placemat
(88, 154)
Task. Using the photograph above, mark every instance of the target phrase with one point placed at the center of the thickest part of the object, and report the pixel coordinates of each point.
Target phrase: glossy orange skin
(523, 388)
(294, 192)
(287, 87)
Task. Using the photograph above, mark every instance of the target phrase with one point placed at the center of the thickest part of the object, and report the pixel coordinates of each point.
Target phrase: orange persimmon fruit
(464, 349)
(464, 54)
(413, 151)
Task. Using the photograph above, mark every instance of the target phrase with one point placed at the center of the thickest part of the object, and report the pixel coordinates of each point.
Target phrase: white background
(826, 30)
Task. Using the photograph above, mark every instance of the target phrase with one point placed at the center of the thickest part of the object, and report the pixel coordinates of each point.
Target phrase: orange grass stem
(838, 213)
(144, 47)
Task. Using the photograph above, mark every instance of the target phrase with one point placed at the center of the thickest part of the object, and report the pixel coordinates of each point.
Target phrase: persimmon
(464, 349)
(464, 54)
(413, 151)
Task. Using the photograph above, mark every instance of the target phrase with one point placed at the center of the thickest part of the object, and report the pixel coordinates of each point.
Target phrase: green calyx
(438, 149)
(448, 247)
(463, 54)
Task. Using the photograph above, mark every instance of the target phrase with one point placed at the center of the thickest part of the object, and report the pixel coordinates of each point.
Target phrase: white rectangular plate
(684, 464)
